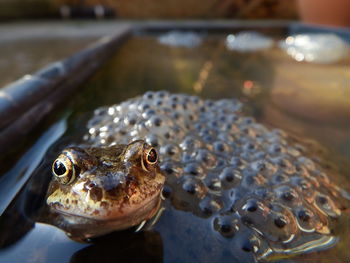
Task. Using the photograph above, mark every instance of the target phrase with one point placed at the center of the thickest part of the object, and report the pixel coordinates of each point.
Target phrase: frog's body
(252, 183)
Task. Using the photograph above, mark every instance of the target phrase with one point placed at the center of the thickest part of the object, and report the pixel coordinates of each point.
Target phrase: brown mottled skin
(115, 184)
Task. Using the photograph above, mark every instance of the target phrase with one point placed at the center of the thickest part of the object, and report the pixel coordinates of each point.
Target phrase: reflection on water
(43, 243)
(180, 39)
(315, 48)
(305, 99)
(21, 57)
(13, 180)
(123, 247)
(248, 41)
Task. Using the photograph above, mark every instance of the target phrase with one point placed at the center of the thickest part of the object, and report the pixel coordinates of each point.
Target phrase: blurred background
(149, 9)
(327, 12)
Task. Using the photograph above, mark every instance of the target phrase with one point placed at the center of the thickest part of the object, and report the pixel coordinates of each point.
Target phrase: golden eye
(150, 157)
(63, 170)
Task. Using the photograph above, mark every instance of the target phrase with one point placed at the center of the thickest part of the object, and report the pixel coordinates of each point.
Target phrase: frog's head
(121, 183)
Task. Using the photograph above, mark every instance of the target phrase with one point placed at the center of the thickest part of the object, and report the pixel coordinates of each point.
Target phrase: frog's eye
(150, 157)
(63, 169)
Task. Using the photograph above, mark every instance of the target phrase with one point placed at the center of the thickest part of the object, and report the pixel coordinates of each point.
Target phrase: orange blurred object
(325, 12)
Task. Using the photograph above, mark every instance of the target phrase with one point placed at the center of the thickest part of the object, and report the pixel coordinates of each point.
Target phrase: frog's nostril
(91, 185)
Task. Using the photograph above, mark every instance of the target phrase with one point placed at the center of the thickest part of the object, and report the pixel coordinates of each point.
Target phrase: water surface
(309, 100)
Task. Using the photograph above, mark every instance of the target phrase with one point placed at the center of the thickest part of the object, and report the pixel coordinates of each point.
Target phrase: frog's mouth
(128, 207)
(122, 216)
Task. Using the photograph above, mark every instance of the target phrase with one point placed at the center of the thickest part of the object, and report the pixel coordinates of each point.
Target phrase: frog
(258, 186)
(115, 187)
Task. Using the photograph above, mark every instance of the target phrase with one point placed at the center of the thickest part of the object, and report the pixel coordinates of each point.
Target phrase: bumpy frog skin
(250, 182)
(119, 184)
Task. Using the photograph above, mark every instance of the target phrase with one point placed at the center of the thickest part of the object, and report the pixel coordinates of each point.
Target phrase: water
(25, 56)
(310, 100)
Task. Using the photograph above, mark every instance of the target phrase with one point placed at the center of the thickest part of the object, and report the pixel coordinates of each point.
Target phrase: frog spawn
(224, 166)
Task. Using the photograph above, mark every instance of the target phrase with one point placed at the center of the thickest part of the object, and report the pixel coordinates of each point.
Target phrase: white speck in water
(180, 39)
(248, 41)
(315, 48)
(111, 111)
